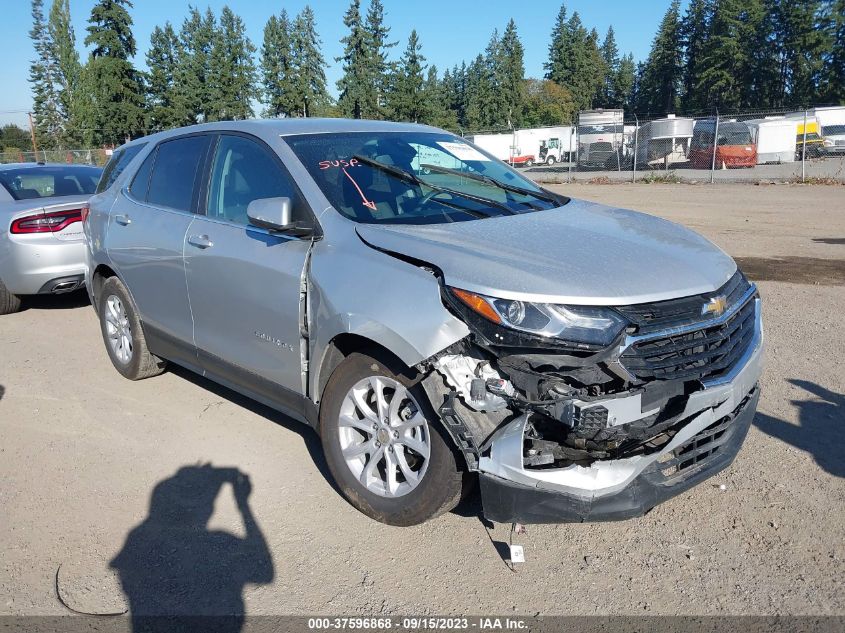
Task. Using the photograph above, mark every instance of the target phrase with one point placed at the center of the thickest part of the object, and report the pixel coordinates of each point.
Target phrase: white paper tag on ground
(517, 554)
(462, 151)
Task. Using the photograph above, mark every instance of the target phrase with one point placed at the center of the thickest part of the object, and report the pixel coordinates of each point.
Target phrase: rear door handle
(200, 241)
(123, 219)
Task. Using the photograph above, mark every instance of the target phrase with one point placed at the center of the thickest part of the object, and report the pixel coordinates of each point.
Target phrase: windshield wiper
(407, 176)
(554, 199)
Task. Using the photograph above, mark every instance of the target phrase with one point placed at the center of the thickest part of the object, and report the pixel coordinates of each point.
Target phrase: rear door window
(118, 163)
(141, 181)
(176, 172)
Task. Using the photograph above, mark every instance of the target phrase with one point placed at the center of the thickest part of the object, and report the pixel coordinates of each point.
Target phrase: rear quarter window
(118, 163)
(177, 167)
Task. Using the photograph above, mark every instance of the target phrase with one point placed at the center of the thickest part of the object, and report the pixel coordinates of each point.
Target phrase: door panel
(146, 240)
(244, 282)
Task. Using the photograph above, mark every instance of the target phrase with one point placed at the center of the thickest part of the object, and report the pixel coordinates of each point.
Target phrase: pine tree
(607, 97)
(436, 102)
(624, 83)
(660, 82)
(801, 48)
(114, 109)
(479, 96)
(43, 76)
(695, 31)
(310, 79)
(232, 70)
(193, 75)
(278, 67)
(406, 100)
(163, 58)
(559, 48)
(511, 75)
(66, 61)
(833, 78)
(377, 42)
(357, 94)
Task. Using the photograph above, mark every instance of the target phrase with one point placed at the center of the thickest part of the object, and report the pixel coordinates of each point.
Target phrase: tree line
(725, 54)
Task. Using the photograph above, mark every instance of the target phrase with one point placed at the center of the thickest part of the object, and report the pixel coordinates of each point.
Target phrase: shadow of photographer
(179, 575)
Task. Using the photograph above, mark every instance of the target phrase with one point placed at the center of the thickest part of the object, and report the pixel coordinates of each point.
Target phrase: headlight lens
(578, 324)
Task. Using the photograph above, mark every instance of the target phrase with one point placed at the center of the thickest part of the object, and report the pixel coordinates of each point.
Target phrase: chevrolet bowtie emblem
(716, 306)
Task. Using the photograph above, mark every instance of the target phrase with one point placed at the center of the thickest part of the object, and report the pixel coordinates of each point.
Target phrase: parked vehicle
(425, 319)
(41, 249)
(834, 139)
(774, 138)
(735, 147)
(601, 138)
(664, 142)
(831, 122)
(814, 142)
(527, 146)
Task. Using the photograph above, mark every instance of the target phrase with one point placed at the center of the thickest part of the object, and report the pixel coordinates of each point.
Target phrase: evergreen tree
(43, 73)
(377, 35)
(67, 67)
(511, 75)
(406, 100)
(660, 82)
(193, 73)
(278, 71)
(310, 80)
(163, 58)
(833, 78)
(114, 109)
(479, 95)
(494, 112)
(607, 97)
(558, 48)
(232, 70)
(695, 31)
(357, 94)
(801, 50)
(436, 102)
(624, 83)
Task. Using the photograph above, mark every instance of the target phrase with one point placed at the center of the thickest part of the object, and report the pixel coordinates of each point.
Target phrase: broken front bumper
(718, 415)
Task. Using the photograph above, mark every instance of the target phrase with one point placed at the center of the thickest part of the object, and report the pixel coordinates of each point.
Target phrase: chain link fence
(610, 146)
(68, 156)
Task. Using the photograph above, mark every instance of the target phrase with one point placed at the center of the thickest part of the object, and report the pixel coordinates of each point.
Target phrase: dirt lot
(82, 449)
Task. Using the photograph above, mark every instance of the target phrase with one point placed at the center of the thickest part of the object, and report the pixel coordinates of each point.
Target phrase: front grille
(660, 315)
(702, 447)
(695, 355)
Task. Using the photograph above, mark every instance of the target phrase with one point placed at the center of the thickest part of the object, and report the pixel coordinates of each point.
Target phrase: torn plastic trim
(605, 477)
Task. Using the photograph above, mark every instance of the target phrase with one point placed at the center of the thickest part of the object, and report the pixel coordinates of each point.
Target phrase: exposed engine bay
(591, 403)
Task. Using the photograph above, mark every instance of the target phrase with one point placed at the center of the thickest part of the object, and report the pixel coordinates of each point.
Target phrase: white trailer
(664, 142)
(529, 146)
(601, 137)
(775, 139)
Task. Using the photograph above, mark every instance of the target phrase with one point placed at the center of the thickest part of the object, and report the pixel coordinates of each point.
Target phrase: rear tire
(421, 487)
(123, 335)
(550, 161)
(9, 303)
(528, 163)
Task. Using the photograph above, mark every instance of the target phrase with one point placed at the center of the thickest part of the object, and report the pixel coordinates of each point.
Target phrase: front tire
(550, 161)
(384, 445)
(123, 335)
(9, 303)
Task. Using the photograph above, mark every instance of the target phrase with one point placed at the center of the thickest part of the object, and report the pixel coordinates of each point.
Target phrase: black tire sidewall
(440, 488)
(132, 369)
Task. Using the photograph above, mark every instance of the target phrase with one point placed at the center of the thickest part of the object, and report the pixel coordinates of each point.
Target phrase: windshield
(50, 182)
(414, 178)
(833, 130)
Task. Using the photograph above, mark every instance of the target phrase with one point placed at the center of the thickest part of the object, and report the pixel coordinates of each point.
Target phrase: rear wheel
(384, 446)
(9, 303)
(550, 160)
(122, 333)
(529, 162)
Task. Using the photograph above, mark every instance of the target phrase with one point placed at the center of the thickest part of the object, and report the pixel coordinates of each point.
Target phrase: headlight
(586, 326)
(828, 142)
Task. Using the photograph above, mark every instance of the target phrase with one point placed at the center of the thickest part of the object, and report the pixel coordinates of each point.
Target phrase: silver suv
(434, 315)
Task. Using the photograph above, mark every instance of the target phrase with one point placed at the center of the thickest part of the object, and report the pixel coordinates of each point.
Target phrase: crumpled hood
(581, 253)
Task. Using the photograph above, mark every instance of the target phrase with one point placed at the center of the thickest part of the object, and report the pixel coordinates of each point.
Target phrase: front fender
(354, 289)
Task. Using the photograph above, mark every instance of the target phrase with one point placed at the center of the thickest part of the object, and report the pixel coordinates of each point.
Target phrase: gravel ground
(82, 449)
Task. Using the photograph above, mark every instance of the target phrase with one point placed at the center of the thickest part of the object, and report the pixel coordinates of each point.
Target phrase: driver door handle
(123, 219)
(200, 241)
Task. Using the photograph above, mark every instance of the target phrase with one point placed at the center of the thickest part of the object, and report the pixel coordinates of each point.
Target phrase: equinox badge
(716, 306)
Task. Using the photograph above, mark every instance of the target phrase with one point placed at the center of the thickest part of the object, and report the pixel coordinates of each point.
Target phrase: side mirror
(274, 214)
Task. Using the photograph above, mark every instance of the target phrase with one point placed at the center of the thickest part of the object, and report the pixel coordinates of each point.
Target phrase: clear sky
(450, 30)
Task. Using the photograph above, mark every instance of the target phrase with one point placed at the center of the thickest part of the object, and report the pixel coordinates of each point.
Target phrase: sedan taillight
(46, 222)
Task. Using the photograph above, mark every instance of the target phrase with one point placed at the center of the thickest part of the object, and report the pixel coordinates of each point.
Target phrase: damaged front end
(575, 414)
